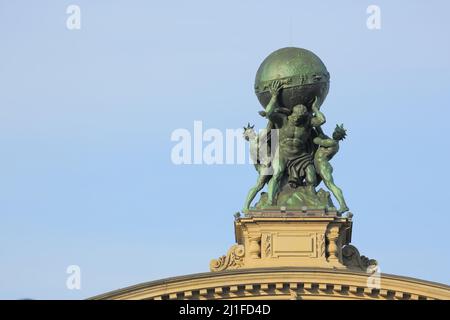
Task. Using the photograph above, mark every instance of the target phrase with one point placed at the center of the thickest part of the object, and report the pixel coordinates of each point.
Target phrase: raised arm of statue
(319, 117)
(274, 89)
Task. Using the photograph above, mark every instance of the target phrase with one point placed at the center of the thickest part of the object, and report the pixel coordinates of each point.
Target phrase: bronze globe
(302, 72)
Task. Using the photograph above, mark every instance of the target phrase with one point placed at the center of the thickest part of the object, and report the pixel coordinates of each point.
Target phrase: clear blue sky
(86, 116)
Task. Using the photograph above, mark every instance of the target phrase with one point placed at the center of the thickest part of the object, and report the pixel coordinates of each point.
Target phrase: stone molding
(282, 283)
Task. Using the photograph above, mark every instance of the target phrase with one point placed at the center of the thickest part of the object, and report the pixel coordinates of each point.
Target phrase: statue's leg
(311, 177)
(327, 176)
(278, 165)
(262, 179)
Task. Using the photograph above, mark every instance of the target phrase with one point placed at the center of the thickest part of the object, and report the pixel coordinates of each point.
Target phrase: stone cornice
(282, 283)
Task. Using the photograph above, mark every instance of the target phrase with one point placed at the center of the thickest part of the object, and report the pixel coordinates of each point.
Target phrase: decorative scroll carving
(353, 260)
(234, 259)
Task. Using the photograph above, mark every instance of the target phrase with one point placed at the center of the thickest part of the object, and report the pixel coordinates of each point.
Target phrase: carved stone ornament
(267, 245)
(353, 260)
(234, 259)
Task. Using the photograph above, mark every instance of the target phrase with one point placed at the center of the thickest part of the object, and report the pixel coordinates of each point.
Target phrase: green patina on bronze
(291, 84)
(302, 73)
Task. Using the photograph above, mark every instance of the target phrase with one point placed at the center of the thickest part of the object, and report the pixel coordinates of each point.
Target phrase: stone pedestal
(313, 238)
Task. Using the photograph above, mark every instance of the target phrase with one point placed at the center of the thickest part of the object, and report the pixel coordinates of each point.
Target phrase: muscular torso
(293, 139)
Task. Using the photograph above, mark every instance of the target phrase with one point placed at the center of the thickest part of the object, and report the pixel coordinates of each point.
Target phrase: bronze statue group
(293, 151)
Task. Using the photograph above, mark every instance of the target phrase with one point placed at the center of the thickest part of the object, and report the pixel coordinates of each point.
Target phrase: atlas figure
(293, 153)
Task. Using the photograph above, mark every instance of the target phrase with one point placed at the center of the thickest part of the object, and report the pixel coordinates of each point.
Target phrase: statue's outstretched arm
(324, 142)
